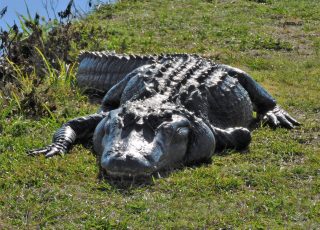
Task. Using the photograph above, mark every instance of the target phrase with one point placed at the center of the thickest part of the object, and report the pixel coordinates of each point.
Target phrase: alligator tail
(99, 71)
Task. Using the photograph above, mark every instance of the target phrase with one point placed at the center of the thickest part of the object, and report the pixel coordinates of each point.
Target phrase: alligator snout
(127, 164)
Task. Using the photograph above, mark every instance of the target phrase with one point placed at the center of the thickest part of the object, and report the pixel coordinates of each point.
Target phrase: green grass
(275, 185)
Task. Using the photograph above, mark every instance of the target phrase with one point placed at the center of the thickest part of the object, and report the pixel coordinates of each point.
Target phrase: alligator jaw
(126, 166)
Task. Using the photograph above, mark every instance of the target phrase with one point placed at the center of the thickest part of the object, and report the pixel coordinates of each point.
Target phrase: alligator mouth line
(125, 180)
(158, 172)
(126, 174)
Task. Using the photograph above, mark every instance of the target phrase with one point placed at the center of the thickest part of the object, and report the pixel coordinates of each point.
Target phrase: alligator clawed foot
(49, 151)
(279, 118)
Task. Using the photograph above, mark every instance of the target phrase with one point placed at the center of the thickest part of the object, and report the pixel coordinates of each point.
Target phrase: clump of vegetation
(21, 46)
(35, 56)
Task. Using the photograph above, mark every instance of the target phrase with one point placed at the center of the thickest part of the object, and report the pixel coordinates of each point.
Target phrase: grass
(275, 185)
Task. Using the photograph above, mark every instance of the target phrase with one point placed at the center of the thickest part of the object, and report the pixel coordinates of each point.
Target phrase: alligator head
(135, 140)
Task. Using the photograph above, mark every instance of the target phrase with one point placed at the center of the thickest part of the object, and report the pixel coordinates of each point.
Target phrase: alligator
(164, 111)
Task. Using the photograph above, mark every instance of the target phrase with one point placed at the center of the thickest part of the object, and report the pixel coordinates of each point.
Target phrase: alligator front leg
(237, 138)
(73, 131)
(265, 105)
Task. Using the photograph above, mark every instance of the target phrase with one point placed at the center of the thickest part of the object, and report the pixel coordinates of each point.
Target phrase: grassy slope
(275, 185)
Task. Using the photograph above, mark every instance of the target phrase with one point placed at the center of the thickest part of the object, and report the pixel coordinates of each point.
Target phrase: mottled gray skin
(160, 112)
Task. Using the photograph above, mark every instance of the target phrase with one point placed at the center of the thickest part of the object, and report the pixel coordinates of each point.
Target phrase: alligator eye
(182, 131)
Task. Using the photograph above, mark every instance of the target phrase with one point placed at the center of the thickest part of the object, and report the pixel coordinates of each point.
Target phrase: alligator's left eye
(182, 131)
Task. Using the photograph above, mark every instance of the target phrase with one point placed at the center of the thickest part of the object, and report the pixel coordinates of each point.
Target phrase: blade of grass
(28, 11)
(17, 101)
(16, 68)
(22, 20)
(49, 111)
(48, 65)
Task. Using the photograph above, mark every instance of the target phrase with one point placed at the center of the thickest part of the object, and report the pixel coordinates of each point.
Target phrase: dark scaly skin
(102, 70)
(159, 112)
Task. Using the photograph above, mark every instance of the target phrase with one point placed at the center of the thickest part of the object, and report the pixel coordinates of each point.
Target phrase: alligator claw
(279, 118)
(35, 152)
(48, 151)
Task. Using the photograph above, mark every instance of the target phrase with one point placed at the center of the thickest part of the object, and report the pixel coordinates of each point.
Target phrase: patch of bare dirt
(292, 30)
